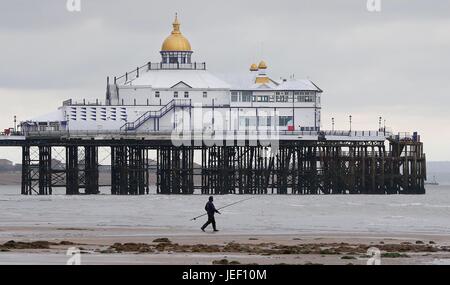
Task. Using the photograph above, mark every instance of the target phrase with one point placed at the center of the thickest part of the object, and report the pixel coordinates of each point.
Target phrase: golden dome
(262, 65)
(176, 41)
(254, 67)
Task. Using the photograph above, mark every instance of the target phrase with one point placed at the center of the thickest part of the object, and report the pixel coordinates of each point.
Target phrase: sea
(272, 214)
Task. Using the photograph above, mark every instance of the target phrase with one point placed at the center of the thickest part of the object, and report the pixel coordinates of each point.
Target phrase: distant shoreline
(14, 178)
(10, 178)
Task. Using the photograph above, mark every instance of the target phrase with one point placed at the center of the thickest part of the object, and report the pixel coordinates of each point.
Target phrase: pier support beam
(91, 170)
(175, 170)
(129, 170)
(72, 171)
(45, 174)
(28, 172)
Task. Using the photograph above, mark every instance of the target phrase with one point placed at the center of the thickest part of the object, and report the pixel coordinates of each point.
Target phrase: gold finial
(176, 25)
(254, 67)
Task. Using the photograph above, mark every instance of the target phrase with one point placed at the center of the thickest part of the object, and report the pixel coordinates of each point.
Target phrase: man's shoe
(216, 230)
(203, 230)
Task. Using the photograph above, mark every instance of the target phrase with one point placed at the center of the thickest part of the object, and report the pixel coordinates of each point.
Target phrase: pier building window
(263, 98)
(305, 98)
(175, 94)
(186, 94)
(282, 98)
(234, 96)
(176, 57)
(42, 126)
(247, 96)
(205, 94)
(285, 120)
(157, 94)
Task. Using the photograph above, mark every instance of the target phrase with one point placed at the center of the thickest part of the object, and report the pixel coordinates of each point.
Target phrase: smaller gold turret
(262, 65)
(254, 67)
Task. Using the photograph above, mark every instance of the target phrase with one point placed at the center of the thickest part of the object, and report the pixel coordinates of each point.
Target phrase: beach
(264, 230)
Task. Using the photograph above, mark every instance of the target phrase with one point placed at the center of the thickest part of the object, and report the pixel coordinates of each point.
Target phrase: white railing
(369, 133)
(135, 73)
(83, 102)
(93, 133)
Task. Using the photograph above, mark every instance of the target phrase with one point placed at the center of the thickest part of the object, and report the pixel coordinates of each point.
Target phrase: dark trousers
(212, 221)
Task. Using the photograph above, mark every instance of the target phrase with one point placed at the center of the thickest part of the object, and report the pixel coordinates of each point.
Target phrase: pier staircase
(132, 126)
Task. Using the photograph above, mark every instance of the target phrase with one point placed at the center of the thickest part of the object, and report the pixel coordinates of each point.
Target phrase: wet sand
(138, 245)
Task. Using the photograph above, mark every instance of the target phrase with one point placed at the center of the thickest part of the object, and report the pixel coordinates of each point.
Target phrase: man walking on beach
(211, 210)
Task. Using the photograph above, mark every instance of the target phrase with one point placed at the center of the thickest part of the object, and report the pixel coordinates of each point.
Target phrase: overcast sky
(394, 63)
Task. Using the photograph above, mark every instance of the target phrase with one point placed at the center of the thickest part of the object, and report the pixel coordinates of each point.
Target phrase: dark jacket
(210, 209)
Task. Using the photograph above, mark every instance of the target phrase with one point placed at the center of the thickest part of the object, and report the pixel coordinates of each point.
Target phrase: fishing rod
(229, 205)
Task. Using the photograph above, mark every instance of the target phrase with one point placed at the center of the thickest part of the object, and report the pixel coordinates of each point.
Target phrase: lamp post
(332, 124)
(350, 120)
(67, 122)
(15, 121)
(379, 123)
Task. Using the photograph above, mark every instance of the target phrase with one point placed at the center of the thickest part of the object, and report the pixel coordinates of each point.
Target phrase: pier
(302, 163)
